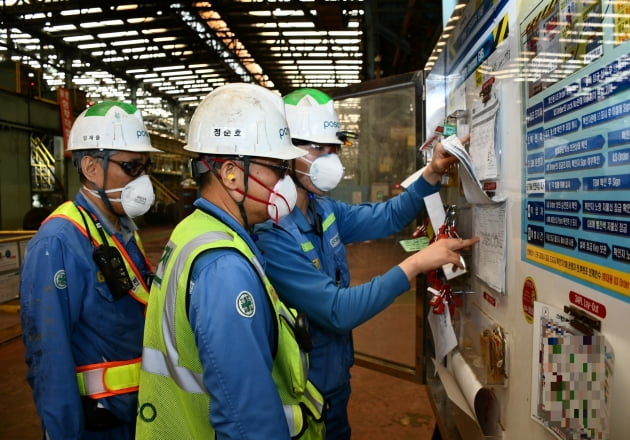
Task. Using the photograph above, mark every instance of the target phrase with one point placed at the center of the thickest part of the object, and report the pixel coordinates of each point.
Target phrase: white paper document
(482, 139)
(490, 226)
(435, 209)
(444, 338)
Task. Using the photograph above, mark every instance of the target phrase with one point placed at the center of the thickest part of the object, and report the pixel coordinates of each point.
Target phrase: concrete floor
(381, 406)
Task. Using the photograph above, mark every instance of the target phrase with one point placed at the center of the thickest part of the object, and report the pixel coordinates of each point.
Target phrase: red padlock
(439, 309)
(422, 230)
(437, 300)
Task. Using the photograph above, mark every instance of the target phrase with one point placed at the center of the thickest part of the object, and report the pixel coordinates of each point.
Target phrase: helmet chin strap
(294, 176)
(101, 191)
(317, 220)
(239, 203)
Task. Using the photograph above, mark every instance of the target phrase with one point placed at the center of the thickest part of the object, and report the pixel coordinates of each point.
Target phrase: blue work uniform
(310, 274)
(70, 319)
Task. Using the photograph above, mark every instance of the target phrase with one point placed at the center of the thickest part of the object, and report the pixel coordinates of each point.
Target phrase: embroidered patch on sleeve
(60, 279)
(245, 305)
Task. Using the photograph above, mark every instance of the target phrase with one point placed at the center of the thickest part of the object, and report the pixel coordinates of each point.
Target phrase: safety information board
(576, 186)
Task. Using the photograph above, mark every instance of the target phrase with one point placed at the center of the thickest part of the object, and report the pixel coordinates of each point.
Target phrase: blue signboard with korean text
(576, 185)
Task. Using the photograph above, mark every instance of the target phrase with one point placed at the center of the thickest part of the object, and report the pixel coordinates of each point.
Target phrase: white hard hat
(110, 125)
(244, 120)
(312, 117)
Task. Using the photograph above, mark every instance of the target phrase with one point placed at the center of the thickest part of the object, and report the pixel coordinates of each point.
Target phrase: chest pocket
(113, 319)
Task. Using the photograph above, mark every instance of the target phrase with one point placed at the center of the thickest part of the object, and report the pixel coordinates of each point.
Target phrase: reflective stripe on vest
(293, 416)
(155, 361)
(108, 379)
(69, 211)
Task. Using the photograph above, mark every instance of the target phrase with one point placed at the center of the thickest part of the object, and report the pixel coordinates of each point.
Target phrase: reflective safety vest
(173, 401)
(107, 379)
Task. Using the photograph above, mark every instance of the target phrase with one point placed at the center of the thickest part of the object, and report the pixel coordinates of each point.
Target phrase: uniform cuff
(397, 280)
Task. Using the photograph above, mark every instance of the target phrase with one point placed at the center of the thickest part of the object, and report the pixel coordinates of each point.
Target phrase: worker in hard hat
(223, 357)
(306, 258)
(85, 283)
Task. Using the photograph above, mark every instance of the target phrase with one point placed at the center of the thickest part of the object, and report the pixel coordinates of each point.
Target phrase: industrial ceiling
(167, 56)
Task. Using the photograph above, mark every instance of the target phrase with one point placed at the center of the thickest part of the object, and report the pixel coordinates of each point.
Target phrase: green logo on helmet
(296, 96)
(102, 108)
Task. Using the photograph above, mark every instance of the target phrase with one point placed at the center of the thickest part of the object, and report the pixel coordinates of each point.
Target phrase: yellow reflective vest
(173, 401)
(106, 379)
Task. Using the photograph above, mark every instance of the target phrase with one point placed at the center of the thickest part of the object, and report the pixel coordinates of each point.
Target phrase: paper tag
(414, 244)
(435, 209)
(451, 271)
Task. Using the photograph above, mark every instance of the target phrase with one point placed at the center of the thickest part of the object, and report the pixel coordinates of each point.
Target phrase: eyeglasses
(281, 169)
(135, 167)
(331, 148)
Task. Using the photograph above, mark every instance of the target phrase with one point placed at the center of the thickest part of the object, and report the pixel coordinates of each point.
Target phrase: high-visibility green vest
(173, 401)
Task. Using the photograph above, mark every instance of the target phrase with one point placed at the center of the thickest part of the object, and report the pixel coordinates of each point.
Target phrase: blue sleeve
(47, 321)
(371, 221)
(70, 319)
(303, 287)
(230, 315)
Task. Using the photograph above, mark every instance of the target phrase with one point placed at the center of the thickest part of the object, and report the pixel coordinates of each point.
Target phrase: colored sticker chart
(576, 151)
(571, 378)
(621, 12)
(548, 40)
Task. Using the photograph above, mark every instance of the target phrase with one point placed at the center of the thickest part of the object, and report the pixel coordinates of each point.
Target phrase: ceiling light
(100, 24)
(118, 34)
(81, 11)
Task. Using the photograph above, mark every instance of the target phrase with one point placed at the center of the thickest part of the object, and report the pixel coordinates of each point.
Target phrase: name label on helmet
(283, 132)
(141, 133)
(331, 124)
(227, 132)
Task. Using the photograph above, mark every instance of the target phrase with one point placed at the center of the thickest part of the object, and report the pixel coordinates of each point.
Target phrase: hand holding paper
(432, 172)
(441, 161)
(473, 189)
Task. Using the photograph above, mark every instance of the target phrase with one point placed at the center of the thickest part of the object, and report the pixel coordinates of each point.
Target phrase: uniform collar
(127, 225)
(213, 210)
(301, 221)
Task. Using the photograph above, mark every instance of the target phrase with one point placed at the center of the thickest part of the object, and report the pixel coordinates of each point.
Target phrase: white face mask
(325, 171)
(282, 199)
(136, 197)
